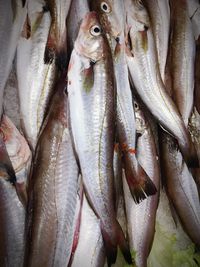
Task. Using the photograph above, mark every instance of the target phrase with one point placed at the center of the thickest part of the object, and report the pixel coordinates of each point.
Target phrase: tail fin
(140, 185)
(111, 244)
(190, 154)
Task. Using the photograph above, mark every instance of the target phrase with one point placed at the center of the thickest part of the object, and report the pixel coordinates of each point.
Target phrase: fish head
(110, 15)
(139, 118)
(90, 39)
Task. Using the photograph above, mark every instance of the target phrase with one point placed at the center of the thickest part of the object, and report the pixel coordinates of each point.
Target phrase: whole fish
(145, 75)
(181, 188)
(52, 190)
(92, 109)
(57, 43)
(77, 11)
(159, 13)
(139, 183)
(90, 241)
(12, 212)
(182, 58)
(35, 79)
(141, 218)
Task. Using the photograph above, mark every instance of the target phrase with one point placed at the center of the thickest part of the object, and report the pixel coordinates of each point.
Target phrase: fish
(182, 58)
(180, 187)
(145, 75)
(77, 11)
(12, 207)
(52, 190)
(90, 241)
(194, 14)
(91, 92)
(141, 218)
(139, 183)
(56, 47)
(159, 13)
(36, 80)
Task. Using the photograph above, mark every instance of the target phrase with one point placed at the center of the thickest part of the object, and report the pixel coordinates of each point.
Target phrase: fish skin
(148, 82)
(180, 187)
(139, 183)
(52, 190)
(110, 20)
(95, 117)
(19, 154)
(77, 11)
(197, 77)
(12, 212)
(141, 218)
(182, 58)
(57, 44)
(34, 93)
(12, 215)
(90, 240)
(159, 13)
(12, 21)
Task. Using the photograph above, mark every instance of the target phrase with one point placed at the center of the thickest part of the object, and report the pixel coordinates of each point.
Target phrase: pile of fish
(105, 116)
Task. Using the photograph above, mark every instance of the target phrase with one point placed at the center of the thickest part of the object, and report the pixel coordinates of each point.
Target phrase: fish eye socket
(105, 7)
(95, 30)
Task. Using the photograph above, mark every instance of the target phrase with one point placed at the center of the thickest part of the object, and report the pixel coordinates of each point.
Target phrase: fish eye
(136, 106)
(105, 7)
(95, 30)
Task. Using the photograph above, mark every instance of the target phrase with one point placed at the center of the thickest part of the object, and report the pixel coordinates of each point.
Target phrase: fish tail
(111, 244)
(190, 155)
(110, 247)
(141, 186)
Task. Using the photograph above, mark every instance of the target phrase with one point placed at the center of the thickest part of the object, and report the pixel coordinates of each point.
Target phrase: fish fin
(88, 78)
(26, 31)
(49, 53)
(21, 191)
(141, 186)
(117, 51)
(110, 247)
(123, 244)
(190, 156)
(61, 59)
(37, 22)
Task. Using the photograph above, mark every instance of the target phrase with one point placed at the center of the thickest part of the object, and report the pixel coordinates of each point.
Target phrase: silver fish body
(159, 13)
(182, 59)
(77, 11)
(181, 188)
(95, 116)
(145, 75)
(141, 218)
(52, 191)
(35, 78)
(90, 241)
